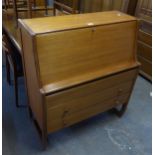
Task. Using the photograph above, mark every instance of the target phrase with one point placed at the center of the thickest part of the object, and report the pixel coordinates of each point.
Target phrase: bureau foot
(44, 140)
(42, 134)
(121, 111)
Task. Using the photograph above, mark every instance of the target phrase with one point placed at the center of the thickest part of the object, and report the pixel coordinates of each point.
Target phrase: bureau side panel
(31, 76)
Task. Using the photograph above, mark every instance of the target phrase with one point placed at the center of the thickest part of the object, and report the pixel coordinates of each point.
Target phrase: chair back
(8, 49)
(66, 7)
(5, 44)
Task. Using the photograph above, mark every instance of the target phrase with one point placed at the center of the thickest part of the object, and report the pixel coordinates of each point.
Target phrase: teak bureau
(77, 66)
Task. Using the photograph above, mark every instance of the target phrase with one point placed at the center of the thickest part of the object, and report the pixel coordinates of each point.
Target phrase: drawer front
(145, 37)
(145, 51)
(92, 110)
(146, 66)
(59, 118)
(146, 27)
(59, 98)
(76, 104)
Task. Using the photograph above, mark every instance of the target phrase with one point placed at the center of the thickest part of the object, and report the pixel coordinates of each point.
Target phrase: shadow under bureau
(77, 66)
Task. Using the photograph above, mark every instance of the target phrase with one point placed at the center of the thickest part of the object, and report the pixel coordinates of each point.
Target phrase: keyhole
(93, 30)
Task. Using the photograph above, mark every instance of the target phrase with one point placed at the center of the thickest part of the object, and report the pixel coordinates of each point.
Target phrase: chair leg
(46, 10)
(30, 112)
(8, 72)
(16, 89)
(44, 140)
(54, 11)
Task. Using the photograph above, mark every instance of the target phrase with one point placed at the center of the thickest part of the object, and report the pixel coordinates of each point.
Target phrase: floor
(105, 134)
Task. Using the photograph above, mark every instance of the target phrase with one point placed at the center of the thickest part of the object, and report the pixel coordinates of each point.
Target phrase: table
(10, 29)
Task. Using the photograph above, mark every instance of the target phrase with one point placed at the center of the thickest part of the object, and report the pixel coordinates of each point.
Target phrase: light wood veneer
(78, 66)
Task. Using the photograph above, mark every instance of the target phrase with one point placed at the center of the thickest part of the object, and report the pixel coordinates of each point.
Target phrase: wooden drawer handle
(93, 29)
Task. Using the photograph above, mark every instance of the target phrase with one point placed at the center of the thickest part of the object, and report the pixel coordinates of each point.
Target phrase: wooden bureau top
(78, 53)
(53, 24)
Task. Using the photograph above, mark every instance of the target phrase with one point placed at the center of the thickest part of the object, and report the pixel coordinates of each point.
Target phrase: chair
(66, 7)
(29, 9)
(14, 63)
(4, 4)
(9, 3)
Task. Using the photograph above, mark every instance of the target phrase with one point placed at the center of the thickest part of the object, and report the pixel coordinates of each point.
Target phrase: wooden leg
(30, 112)
(54, 11)
(120, 112)
(16, 89)
(5, 5)
(15, 12)
(34, 3)
(46, 10)
(42, 135)
(8, 71)
(44, 140)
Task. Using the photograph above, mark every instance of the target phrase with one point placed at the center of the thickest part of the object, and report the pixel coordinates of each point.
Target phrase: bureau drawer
(145, 51)
(146, 66)
(58, 118)
(87, 100)
(94, 109)
(145, 37)
(72, 105)
(90, 88)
